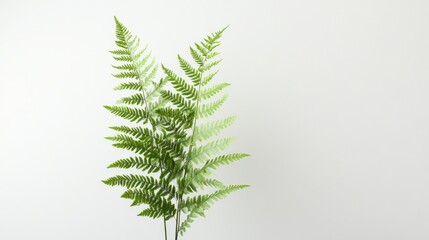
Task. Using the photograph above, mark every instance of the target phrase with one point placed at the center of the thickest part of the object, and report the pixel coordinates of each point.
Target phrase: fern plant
(175, 149)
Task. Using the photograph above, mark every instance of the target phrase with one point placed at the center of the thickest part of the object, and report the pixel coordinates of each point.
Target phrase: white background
(332, 98)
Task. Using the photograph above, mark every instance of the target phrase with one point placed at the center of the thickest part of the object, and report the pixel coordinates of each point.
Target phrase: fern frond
(171, 147)
(212, 55)
(176, 129)
(123, 58)
(201, 153)
(133, 181)
(210, 92)
(129, 86)
(177, 100)
(126, 74)
(197, 56)
(139, 59)
(209, 44)
(129, 67)
(133, 43)
(157, 87)
(131, 114)
(146, 196)
(212, 164)
(210, 65)
(208, 78)
(129, 143)
(224, 160)
(139, 64)
(180, 84)
(135, 99)
(166, 210)
(142, 182)
(211, 183)
(212, 40)
(141, 163)
(120, 52)
(154, 106)
(137, 132)
(193, 184)
(190, 71)
(199, 175)
(199, 204)
(176, 115)
(209, 129)
(148, 73)
(201, 48)
(208, 109)
(122, 34)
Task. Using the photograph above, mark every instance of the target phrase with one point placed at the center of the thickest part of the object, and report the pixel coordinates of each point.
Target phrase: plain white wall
(332, 98)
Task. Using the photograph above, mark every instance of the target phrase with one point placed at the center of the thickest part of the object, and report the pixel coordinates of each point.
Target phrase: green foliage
(148, 165)
(209, 129)
(196, 206)
(175, 153)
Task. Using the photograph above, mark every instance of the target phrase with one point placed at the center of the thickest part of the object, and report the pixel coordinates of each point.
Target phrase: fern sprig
(175, 153)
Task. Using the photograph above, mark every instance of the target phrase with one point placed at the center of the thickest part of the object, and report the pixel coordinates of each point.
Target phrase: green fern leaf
(180, 84)
(129, 143)
(142, 182)
(197, 56)
(198, 182)
(190, 71)
(201, 48)
(141, 62)
(129, 86)
(120, 52)
(210, 92)
(154, 106)
(209, 66)
(198, 205)
(148, 73)
(132, 181)
(208, 109)
(209, 129)
(135, 99)
(177, 100)
(213, 164)
(224, 160)
(129, 67)
(148, 196)
(199, 175)
(131, 114)
(212, 55)
(143, 164)
(137, 132)
(212, 40)
(123, 58)
(126, 74)
(208, 78)
(167, 211)
(157, 87)
(211, 183)
(201, 153)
